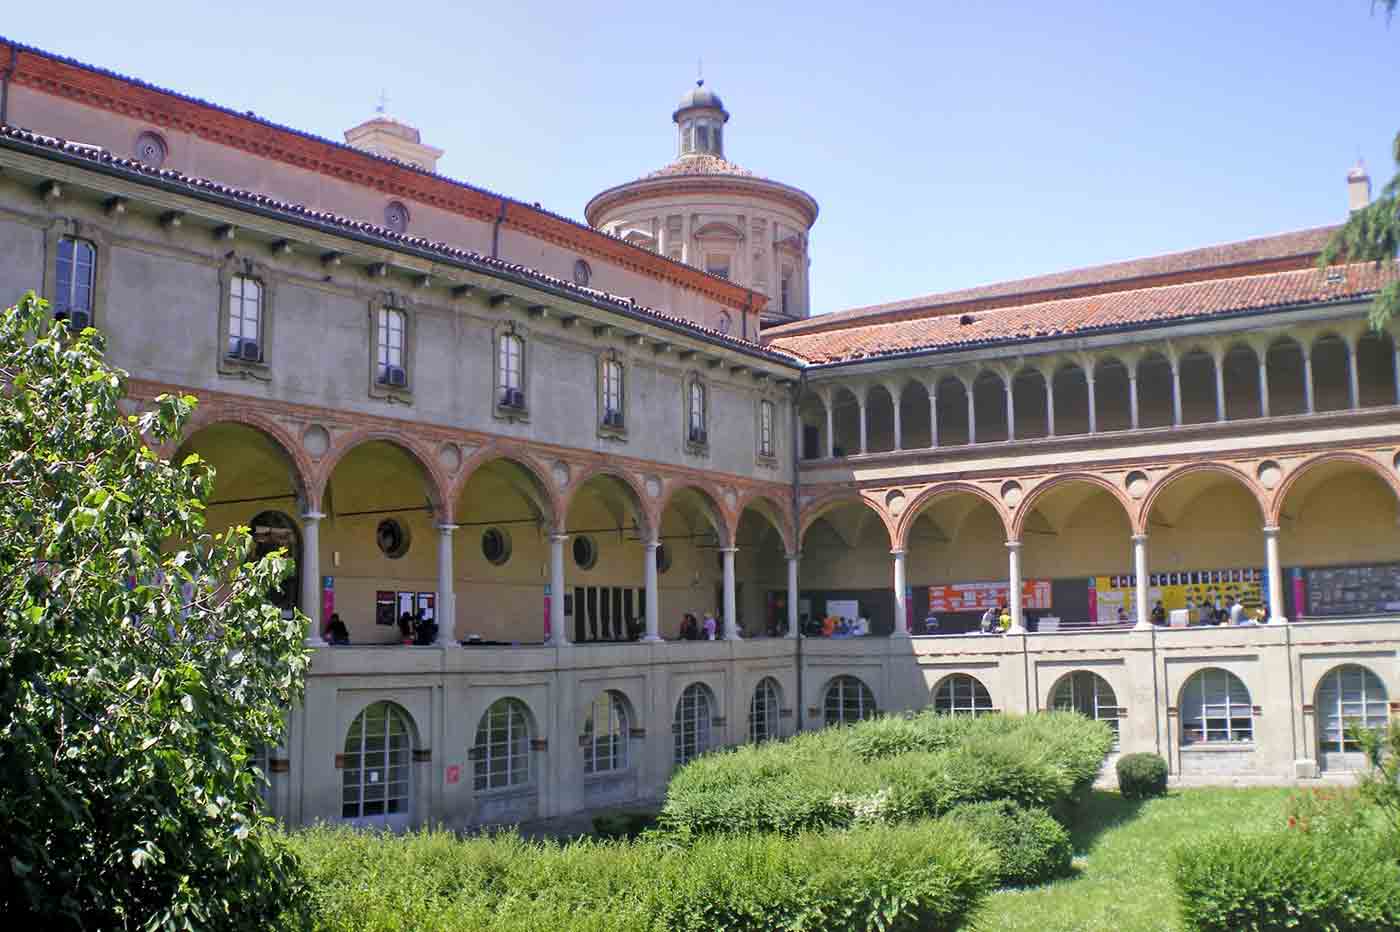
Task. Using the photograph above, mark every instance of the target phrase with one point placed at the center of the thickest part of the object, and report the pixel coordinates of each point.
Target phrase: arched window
(848, 700)
(1348, 695)
(75, 270)
(605, 734)
(502, 751)
(763, 710)
(1090, 695)
(612, 393)
(1215, 709)
(692, 724)
(961, 694)
(375, 779)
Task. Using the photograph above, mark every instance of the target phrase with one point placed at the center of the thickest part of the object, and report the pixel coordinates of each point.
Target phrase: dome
(699, 96)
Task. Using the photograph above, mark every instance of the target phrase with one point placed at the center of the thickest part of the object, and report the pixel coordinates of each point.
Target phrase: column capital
(1139, 538)
(312, 516)
(651, 544)
(897, 551)
(1271, 530)
(448, 528)
(728, 549)
(793, 557)
(1013, 545)
(558, 538)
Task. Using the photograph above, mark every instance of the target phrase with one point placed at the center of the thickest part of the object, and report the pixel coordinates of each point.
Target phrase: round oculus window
(495, 545)
(583, 273)
(663, 559)
(396, 217)
(150, 150)
(392, 538)
(585, 553)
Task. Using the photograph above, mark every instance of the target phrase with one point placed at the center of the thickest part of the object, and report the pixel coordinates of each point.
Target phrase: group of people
(695, 630)
(1215, 616)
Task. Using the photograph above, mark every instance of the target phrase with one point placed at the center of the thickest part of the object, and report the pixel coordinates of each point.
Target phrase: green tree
(140, 664)
(1373, 233)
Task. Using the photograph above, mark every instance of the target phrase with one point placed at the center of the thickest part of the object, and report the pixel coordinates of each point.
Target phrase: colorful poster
(978, 597)
(1115, 596)
(327, 598)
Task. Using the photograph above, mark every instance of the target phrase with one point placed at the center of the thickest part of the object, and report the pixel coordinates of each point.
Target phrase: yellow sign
(1192, 590)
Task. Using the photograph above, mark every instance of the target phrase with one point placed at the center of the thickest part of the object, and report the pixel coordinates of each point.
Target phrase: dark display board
(1352, 590)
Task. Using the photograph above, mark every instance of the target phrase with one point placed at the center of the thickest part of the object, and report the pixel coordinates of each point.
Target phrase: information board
(978, 597)
(1352, 590)
(1191, 590)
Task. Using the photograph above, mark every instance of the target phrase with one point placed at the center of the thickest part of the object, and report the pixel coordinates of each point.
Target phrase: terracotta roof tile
(15, 137)
(700, 165)
(1045, 320)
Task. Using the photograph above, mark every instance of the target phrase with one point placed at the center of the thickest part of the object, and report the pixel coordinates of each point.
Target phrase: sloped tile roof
(700, 165)
(1045, 320)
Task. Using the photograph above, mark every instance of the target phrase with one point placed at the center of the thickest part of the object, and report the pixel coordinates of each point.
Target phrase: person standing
(710, 626)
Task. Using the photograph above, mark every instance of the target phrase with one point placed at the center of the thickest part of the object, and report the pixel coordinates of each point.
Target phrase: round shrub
(1031, 846)
(1142, 776)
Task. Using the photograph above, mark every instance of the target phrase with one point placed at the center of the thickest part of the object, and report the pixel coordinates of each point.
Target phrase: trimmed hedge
(924, 876)
(1288, 881)
(1031, 846)
(1142, 776)
(885, 771)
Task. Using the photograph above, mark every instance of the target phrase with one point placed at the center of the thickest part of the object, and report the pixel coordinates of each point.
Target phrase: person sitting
(424, 631)
(1159, 614)
(405, 628)
(931, 624)
(336, 632)
(690, 628)
(861, 628)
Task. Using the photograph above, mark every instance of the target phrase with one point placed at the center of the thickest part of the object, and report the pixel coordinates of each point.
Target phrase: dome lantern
(700, 117)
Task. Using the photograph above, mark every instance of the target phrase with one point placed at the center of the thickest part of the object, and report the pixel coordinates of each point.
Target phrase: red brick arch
(647, 516)
(518, 455)
(1159, 486)
(820, 506)
(1275, 505)
(775, 513)
(211, 413)
(725, 524)
(436, 484)
(939, 490)
(1035, 494)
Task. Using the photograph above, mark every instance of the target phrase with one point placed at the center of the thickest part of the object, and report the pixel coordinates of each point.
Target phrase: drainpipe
(5, 84)
(496, 231)
(797, 525)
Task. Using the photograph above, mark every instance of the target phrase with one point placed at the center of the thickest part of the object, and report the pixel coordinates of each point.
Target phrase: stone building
(557, 439)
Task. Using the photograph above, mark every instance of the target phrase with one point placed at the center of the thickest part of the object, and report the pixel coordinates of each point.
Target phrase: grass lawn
(1123, 861)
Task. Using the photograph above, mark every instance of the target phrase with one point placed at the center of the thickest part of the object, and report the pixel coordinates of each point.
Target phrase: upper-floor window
(765, 428)
(612, 393)
(245, 302)
(512, 387)
(75, 273)
(786, 295)
(697, 413)
(390, 345)
(702, 137)
(717, 265)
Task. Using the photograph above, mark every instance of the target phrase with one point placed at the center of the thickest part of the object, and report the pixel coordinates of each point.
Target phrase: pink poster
(327, 598)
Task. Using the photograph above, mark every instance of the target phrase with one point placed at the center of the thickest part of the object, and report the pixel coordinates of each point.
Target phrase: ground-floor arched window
(763, 710)
(1349, 695)
(1215, 709)
(377, 764)
(848, 700)
(961, 694)
(501, 755)
(1090, 695)
(605, 734)
(691, 727)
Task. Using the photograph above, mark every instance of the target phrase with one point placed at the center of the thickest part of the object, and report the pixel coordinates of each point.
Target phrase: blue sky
(948, 144)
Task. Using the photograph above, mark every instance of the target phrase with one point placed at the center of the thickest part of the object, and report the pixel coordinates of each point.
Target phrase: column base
(1015, 629)
(897, 633)
(316, 642)
(1278, 620)
(652, 639)
(1143, 626)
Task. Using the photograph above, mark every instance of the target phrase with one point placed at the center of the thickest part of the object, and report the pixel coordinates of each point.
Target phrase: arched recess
(1241, 373)
(608, 525)
(384, 445)
(846, 557)
(1287, 377)
(1071, 400)
(504, 512)
(989, 406)
(1155, 402)
(961, 694)
(1349, 695)
(1112, 403)
(1072, 528)
(258, 483)
(1089, 694)
(1029, 396)
(1375, 359)
(915, 425)
(1337, 510)
(952, 534)
(382, 503)
(1196, 372)
(760, 568)
(811, 411)
(880, 411)
(1205, 543)
(952, 412)
(845, 415)
(1331, 368)
(378, 786)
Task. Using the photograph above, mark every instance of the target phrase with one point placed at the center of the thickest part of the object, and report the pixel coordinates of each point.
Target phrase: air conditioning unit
(698, 435)
(249, 351)
(612, 419)
(513, 398)
(394, 376)
(77, 320)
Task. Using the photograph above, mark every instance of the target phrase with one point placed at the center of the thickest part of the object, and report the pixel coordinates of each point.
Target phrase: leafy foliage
(928, 875)
(1031, 846)
(1142, 776)
(140, 665)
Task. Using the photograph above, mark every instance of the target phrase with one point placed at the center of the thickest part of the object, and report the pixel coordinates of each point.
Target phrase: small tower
(1358, 187)
(700, 119)
(386, 136)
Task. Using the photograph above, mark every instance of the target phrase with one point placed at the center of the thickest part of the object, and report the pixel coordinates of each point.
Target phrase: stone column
(1011, 408)
(1176, 393)
(1264, 383)
(1132, 398)
(311, 575)
(1140, 588)
(1220, 387)
(971, 414)
(558, 637)
(901, 610)
(933, 408)
(861, 400)
(1309, 399)
(1397, 368)
(653, 609)
(731, 622)
(447, 597)
(1013, 586)
(792, 560)
(898, 427)
(828, 400)
(1353, 370)
(1276, 616)
(1093, 405)
(1050, 404)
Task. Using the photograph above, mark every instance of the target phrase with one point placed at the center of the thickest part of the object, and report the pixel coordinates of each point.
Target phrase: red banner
(978, 597)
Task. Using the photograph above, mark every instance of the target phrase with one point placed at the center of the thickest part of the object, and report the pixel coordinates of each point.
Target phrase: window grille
(502, 751)
(763, 711)
(1215, 708)
(692, 724)
(1090, 695)
(375, 781)
(961, 694)
(848, 700)
(605, 735)
(1349, 695)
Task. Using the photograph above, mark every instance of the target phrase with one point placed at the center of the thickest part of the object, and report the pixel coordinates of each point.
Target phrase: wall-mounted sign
(980, 596)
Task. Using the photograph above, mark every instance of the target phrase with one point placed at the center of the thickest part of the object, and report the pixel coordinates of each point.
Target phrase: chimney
(1358, 187)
